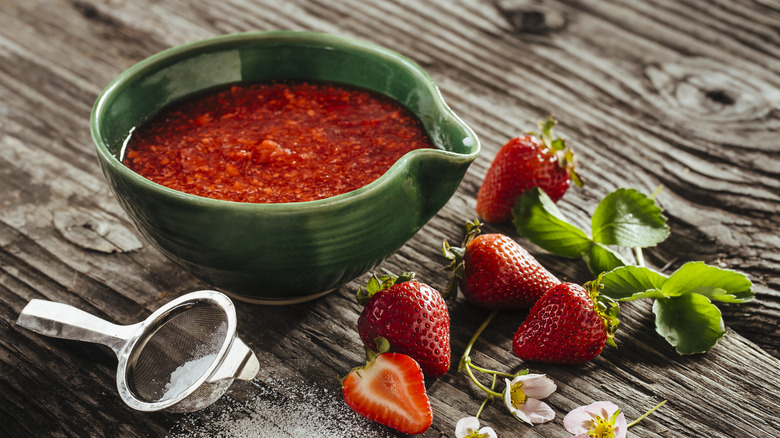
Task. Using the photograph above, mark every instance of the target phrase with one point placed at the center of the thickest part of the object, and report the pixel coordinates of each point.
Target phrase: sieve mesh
(186, 335)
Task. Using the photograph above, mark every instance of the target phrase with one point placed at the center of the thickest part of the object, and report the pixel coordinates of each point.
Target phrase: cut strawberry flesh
(391, 391)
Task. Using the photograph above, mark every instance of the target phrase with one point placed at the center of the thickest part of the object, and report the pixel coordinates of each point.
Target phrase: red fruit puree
(274, 142)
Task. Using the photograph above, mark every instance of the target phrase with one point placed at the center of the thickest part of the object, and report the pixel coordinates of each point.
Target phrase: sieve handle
(239, 362)
(67, 322)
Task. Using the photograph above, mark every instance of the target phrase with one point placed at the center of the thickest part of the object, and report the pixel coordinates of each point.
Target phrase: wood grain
(684, 95)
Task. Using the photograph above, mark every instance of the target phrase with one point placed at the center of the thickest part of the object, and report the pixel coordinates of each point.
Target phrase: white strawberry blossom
(468, 427)
(599, 420)
(522, 397)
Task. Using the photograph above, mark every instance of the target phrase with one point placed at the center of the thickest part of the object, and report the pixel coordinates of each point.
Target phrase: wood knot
(95, 230)
(703, 91)
(532, 16)
(720, 96)
(716, 102)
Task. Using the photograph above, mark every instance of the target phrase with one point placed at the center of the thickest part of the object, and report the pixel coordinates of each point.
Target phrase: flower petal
(539, 386)
(508, 395)
(580, 420)
(577, 421)
(537, 411)
(487, 432)
(620, 427)
(523, 378)
(603, 409)
(466, 426)
(520, 415)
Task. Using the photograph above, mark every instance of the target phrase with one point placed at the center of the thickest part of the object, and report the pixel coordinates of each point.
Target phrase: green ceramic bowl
(282, 253)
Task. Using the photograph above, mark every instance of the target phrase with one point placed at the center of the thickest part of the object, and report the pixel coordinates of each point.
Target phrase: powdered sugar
(184, 376)
(278, 408)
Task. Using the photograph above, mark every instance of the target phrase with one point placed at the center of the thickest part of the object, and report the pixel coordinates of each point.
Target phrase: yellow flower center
(517, 395)
(601, 428)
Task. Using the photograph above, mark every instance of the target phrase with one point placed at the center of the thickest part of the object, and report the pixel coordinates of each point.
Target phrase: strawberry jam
(274, 142)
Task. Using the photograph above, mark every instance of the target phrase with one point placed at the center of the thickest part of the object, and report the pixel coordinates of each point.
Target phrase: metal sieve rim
(213, 297)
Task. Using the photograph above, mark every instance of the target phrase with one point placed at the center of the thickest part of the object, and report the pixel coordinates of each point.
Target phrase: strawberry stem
(646, 414)
(491, 393)
(456, 256)
(656, 192)
(469, 367)
(382, 346)
(488, 398)
(565, 155)
(607, 308)
(640, 258)
(488, 371)
(478, 333)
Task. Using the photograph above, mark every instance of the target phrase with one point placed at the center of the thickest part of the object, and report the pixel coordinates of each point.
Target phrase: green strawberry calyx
(565, 155)
(382, 346)
(456, 255)
(377, 284)
(605, 307)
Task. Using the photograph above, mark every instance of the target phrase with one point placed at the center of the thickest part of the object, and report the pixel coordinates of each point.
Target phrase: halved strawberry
(390, 389)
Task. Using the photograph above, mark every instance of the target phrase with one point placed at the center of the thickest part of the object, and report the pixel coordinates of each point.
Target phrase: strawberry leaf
(602, 259)
(539, 220)
(685, 314)
(714, 283)
(628, 218)
(690, 323)
(632, 283)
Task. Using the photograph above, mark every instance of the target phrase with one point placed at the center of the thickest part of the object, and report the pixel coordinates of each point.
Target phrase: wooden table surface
(684, 95)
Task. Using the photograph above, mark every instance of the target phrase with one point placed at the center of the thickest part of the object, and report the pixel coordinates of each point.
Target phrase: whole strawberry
(412, 316)
(526, 162)
(568, 325)
(495, 272)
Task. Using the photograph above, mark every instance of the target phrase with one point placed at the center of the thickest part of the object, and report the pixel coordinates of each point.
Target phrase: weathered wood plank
(683, 95)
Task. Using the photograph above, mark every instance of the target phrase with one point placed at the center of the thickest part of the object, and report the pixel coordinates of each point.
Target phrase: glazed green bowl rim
(304, 38)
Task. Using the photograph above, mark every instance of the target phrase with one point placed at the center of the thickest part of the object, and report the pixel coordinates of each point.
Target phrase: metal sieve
(182, 358)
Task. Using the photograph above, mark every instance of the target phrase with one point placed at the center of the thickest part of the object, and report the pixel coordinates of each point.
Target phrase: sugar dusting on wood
(279, 408)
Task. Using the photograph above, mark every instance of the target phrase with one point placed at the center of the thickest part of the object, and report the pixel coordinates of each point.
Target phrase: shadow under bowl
(292, 252)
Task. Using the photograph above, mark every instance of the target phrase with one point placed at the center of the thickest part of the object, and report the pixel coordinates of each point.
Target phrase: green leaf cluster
(685, 314)
(377, 284)
(624, 218)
